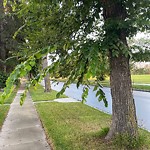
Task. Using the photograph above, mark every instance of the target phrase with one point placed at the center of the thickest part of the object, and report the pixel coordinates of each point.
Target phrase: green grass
(141, 87)
(76, 126)
(72, 125)
(5, 108)
(11, 97)
(3, 112)
(141, 79)
(38, 94)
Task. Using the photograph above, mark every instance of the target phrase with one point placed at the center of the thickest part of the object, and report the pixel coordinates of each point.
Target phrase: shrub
(3, 78)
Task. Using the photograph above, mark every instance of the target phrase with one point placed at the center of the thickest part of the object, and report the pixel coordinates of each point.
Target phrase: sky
(142, 35)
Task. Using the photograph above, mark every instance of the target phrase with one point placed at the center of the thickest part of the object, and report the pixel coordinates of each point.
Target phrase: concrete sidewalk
(22, 129)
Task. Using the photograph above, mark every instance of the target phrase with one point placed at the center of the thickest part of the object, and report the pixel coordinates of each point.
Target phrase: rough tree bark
(47, 77)
(124, 119)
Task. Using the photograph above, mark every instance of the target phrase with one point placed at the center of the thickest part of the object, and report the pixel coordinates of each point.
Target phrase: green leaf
(105, 102)
(32, 63)
(4, 3)
(58, 95)
(98, 93)
(22, 97)
(95, 88)
(85, 94)
(23, 73)
(38, 55)
(28, 67)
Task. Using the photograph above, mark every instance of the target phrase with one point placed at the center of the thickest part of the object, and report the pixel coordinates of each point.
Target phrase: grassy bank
(77, 126)
(38, 94)
(73, 125)
(5, 108)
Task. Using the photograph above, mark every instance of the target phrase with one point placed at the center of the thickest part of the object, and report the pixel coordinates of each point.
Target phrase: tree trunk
(123, 108)
(2, 46)
(47, 77)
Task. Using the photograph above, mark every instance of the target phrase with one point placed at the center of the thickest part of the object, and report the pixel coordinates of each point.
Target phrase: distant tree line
(140, 70)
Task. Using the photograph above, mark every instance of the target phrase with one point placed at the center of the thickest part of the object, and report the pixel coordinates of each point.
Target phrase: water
(142, 102)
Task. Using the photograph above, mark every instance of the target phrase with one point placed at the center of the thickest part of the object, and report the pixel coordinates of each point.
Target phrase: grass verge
(11, 97)
(72, 125)
(5, 108)
(3, 113)
(38, 94)
(141, 87)
(77, 126)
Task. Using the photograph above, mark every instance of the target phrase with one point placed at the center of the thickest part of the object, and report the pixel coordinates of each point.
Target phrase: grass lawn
(73, 125)
(141, 79)
(76, 126)
(5, 108)
(38, 94)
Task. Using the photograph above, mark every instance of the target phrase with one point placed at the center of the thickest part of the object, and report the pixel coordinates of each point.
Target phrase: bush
(3, 78)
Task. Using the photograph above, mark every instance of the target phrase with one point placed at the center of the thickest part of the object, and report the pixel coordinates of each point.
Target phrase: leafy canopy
(74, 31)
